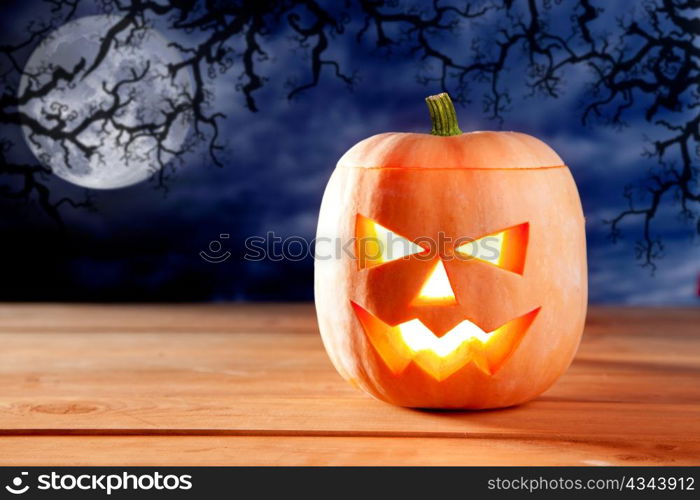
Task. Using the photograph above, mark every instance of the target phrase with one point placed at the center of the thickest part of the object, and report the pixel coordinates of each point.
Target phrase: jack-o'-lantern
(450, 267)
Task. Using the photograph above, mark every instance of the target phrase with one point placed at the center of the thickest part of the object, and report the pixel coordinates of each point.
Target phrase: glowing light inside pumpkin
(437, 288)
(377, 245)
(488, 249)
(418, 337)
(505, 249)
(440, 357)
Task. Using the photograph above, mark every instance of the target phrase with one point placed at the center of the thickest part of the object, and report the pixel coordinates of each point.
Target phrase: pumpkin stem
(443, 115)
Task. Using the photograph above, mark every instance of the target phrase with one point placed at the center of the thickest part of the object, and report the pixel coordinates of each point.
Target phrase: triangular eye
(376, 245)
(505, 249)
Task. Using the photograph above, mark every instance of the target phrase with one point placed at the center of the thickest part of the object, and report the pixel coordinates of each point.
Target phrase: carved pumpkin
(465, 286)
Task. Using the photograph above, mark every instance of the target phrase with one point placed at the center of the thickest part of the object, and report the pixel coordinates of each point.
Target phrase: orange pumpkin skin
(469, 185)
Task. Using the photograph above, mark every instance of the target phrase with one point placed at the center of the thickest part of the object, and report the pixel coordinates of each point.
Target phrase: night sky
(143, 244)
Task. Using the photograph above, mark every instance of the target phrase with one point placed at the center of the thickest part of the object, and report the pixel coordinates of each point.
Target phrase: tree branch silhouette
(650, 61)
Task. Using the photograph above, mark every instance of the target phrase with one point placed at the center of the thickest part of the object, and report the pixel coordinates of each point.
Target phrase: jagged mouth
(440, 357)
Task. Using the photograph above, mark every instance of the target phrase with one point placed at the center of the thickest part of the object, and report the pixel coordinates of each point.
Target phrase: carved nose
(437, 289)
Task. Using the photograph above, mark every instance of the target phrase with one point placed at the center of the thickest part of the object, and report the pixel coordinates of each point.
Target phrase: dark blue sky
(143, 245)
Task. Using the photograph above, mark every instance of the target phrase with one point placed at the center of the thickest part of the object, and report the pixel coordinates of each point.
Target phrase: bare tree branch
(650, 61)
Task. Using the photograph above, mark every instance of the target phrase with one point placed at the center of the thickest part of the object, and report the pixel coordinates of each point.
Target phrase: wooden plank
(134, 318)
(564, 421)
(273, 450)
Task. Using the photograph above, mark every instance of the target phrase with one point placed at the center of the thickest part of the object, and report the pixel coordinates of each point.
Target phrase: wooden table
(251, 384)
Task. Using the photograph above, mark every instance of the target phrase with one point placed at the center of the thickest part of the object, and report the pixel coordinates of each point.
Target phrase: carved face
(440, 352)
(466, 287)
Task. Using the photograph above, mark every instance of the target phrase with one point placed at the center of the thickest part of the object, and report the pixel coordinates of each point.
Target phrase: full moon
(133, 141)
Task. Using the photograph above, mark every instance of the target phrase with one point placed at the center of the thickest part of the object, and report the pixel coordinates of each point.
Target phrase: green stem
(443, 115)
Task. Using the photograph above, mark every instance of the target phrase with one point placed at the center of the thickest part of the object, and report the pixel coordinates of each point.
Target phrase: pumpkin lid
(474, 150)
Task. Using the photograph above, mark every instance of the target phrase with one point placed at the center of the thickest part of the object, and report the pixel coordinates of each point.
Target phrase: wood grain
(242, 384)
(306, 450)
